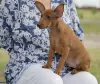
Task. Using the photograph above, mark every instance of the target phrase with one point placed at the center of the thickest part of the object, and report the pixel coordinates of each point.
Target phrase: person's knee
(35, 74)
(80, 78)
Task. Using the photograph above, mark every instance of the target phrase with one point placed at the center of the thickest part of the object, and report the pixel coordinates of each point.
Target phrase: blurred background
(89, 14)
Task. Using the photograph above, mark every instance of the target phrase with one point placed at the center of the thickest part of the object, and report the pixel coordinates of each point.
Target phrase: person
(25, 42)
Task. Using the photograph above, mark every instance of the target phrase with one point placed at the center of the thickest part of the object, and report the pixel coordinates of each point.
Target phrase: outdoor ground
(90, 21)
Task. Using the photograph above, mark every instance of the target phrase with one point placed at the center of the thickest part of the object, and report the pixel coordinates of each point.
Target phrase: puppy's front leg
(50, 56)
(62, 60)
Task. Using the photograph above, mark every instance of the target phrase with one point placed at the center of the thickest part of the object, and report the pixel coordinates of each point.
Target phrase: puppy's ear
(59, 10)
(40, 6)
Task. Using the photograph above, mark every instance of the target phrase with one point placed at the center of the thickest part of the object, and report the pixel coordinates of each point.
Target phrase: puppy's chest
(56, 43)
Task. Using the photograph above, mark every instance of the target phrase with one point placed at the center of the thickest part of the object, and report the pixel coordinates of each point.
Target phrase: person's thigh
(79, 78)
(35, 74)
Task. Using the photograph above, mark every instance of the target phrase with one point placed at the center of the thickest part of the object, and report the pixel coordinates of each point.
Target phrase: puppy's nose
(38, 25)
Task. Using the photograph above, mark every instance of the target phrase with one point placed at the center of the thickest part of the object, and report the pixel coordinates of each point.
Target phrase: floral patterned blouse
(24, 41)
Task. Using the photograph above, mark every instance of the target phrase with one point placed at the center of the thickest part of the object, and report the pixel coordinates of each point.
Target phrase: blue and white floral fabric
(24, 41)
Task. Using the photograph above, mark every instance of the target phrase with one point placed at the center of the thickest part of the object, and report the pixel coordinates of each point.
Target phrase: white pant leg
(79, 78)
(35, 74)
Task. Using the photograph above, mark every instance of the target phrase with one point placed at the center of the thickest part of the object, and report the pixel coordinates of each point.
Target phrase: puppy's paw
(57, 71)
(74, 71)
(46, 66)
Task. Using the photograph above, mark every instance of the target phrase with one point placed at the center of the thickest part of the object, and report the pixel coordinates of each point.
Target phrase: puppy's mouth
(43, 27)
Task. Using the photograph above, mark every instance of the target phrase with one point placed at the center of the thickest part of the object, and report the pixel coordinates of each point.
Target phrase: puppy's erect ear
(59, 10)
(40, 6)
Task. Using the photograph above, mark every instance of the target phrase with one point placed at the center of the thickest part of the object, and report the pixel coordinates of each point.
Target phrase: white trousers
(35, 74)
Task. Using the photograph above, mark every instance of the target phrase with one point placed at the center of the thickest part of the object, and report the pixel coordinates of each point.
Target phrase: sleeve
(4, 30)
(73, 19)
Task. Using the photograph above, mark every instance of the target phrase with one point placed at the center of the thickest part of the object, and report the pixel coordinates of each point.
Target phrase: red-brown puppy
(63, 40)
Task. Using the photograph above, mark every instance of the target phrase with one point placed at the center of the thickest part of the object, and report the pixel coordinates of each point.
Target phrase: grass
(3, 61)
(91, 28)
(95, 63)
(89, 14)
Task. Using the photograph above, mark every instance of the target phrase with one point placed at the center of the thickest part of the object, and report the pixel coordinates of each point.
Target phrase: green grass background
(91, 28)
(3, 61)
(95, 62)
(89, 14)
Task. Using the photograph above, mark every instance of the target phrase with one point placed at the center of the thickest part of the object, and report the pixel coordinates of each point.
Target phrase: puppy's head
(47, 16)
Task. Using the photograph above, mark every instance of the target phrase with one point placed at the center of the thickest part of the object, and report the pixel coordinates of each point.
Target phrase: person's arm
(73, 22)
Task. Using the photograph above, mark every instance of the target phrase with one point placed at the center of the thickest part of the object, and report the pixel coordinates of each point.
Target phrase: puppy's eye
(48, 17)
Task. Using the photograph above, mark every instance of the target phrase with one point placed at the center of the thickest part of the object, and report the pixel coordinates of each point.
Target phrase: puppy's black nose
(38, 25)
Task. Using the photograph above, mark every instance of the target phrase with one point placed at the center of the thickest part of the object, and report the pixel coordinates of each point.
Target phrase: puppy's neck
(56, 25)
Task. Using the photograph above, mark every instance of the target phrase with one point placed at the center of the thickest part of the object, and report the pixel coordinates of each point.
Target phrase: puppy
(62, 40)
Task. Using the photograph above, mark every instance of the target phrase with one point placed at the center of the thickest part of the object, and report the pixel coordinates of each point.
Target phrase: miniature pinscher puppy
(62, 40)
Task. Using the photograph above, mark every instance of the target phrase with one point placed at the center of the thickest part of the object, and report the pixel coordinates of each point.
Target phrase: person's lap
(35, 74)
(80, 78)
